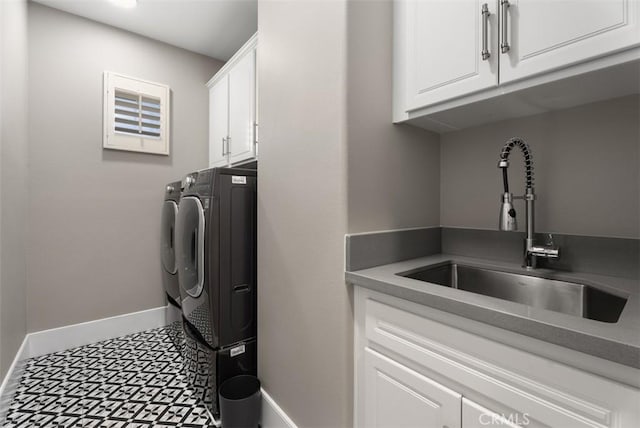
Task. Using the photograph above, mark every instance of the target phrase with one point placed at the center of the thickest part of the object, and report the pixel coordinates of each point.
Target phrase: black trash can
(240, 402)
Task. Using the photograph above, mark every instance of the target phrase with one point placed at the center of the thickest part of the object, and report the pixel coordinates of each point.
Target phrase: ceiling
(216, 28)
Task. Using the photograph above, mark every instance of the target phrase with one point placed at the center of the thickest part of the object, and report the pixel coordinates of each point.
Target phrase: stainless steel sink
(567, 297)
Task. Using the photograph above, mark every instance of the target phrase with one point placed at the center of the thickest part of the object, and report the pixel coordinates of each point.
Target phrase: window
(136, 115)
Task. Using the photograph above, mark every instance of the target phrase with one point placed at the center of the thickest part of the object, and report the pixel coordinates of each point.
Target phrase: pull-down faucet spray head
(507, 220)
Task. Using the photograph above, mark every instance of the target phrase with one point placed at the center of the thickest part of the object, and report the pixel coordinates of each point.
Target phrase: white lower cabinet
(414, 371)
(402, 398)
(477, 416)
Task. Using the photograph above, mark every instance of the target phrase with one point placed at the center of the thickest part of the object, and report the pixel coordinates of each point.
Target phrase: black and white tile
(132, 381)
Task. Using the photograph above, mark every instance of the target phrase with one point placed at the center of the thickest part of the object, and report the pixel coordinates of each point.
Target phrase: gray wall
(586, 170)
(13, 177)
(393, 170)
(326, 133)
(94, 214)
(304, 310)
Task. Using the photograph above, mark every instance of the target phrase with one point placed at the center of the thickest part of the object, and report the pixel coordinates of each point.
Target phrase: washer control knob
(189, 181)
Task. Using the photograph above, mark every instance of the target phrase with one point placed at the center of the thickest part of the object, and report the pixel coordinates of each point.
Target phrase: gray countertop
(618, 342)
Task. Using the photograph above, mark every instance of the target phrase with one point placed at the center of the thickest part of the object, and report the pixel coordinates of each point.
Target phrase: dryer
(216, 261)
(169, 265)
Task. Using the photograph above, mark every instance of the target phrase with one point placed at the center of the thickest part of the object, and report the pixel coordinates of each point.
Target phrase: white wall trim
(71, 336)
(272, 415)
(250, 44)
(9, 383)
(62, 338)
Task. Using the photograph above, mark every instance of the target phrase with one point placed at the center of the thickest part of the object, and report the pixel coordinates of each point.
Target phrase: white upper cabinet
(466, 62)
(242, 106)
(445, 57)
(218, 122)
(546, 35)
(233, 109)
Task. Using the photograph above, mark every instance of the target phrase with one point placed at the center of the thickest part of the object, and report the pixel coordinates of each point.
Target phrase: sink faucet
(508, 213)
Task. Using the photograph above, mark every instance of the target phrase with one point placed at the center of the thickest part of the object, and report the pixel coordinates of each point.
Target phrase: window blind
(137, 114)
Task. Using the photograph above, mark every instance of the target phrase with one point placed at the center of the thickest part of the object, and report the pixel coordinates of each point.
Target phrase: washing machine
(216, 261)
(169, 265)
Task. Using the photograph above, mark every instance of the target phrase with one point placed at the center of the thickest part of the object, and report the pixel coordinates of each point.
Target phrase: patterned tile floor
(132, 381)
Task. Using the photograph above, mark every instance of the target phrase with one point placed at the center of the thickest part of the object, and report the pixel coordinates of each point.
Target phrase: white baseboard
(272, 415)
(11, 379)
(60, 339)
(71, 336)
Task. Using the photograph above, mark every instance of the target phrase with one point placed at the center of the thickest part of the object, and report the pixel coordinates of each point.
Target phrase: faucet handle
(550, 240)
(548, 250)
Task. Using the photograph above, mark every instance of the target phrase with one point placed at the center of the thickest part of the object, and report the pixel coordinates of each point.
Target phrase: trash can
(240, 402)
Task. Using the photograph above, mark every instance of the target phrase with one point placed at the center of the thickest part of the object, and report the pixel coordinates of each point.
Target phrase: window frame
(116, 140)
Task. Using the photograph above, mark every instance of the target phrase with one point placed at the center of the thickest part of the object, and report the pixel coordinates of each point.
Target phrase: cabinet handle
(485, 36)
(228, 145)
(504, 45)
(224, 139)
(255, 132)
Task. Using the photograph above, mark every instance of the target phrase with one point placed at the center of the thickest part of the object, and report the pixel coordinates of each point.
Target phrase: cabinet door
(242, 101)
(549, 393)
(397, 397)
(476, 416)
(547, 35)
(444, 49)
(218, 122)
